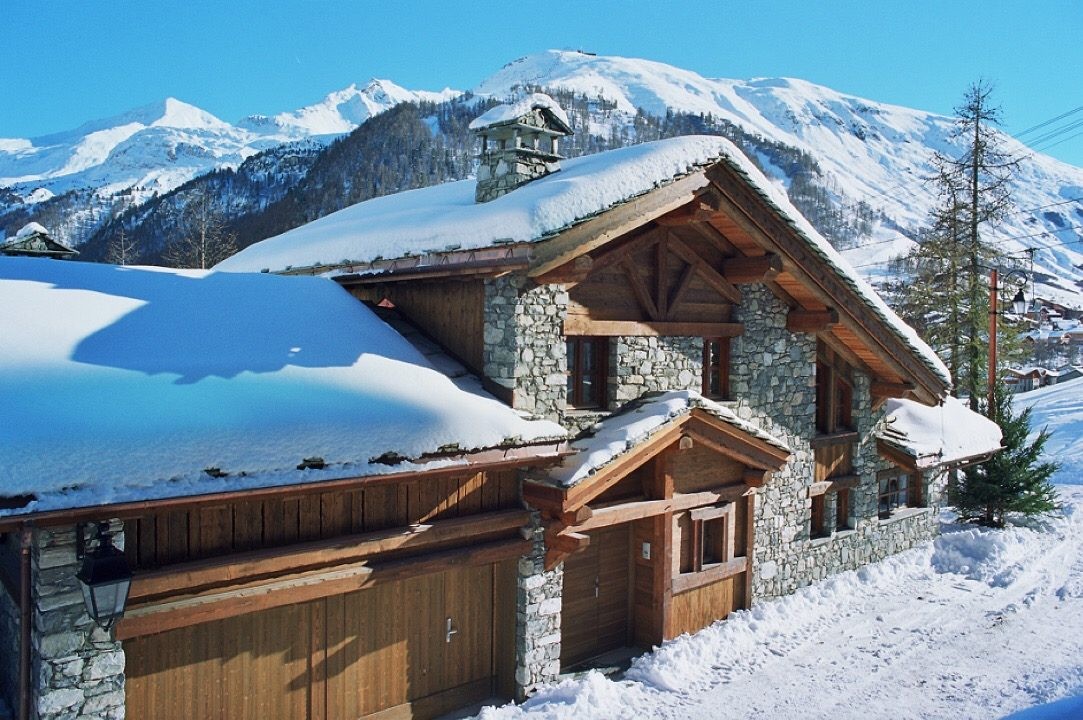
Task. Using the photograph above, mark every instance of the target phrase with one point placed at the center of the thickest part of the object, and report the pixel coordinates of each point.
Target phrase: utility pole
(992, 341)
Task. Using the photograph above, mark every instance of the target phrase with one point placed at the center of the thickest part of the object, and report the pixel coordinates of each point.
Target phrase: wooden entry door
(385, 651)
(595, 617)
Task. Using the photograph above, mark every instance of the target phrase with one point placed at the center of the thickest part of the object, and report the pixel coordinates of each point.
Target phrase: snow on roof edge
(944, 434)
(510, 111)
(827, 252)
(637, 422)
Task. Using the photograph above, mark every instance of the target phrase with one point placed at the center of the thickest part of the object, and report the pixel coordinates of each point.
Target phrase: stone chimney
(518, 144)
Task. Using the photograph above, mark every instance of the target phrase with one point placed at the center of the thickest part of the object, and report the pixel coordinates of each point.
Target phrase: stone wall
(78, 668)
(639, 365)
(537, 620)
(524, 343)
(773, 383)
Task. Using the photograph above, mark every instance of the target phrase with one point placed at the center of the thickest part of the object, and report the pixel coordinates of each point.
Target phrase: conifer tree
(1014, 480)
(950, 296)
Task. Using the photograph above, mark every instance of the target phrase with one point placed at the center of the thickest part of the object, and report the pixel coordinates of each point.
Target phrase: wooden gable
(668, 263)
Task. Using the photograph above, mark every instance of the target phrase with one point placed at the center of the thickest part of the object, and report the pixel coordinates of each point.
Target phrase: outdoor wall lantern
(104, 579)
(1019, 303)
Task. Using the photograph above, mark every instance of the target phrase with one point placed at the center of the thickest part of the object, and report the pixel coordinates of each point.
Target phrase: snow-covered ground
(978, 624)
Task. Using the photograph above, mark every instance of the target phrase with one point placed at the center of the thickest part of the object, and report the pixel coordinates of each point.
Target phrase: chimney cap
(510, 113)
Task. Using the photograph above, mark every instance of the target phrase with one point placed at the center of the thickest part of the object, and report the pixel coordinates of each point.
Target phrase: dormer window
(587, 360)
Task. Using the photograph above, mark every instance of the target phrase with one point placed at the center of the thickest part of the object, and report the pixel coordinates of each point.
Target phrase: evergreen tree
(1012, 481)
(949, 297)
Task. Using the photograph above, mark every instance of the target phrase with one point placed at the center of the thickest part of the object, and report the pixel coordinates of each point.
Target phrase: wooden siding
(695, 609)
(451, 311)
(833, 461)
(179, 536)
(698, 469)
(382, 651)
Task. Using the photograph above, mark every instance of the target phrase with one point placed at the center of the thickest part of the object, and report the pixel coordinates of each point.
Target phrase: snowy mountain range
(869, 154)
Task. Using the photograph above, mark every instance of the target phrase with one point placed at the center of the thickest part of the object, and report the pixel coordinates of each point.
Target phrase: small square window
(894, 493)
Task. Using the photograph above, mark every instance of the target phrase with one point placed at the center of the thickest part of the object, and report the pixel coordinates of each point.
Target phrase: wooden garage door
(385, 650)
(595, 613)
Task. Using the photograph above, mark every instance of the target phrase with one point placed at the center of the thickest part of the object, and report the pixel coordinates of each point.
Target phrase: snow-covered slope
(343, 110)
(160, 146)
(869, 151)
(1060, 409)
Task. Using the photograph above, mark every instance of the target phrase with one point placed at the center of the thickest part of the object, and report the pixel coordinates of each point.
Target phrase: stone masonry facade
(537, 619)
(772, 383)
(77, 667)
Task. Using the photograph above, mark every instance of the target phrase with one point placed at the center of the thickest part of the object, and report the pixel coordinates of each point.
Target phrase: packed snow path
(978, 624)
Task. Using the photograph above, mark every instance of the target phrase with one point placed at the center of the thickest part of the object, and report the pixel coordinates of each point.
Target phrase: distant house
(664, 397)
(1025, 379)
(34, 241)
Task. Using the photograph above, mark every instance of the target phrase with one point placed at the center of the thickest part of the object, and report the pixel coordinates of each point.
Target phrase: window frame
(715, 521)
(888, 500)
(716, 374)
(834, 393)
(576, 375)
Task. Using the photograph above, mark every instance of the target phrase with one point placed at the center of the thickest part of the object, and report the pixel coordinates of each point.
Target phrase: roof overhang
(540, 456)
(697, 425)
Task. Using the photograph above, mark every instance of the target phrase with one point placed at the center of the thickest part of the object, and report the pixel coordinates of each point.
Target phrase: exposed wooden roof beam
(576, 325)
(752, 269)
(711, 276)
(811, 321)
(592, 234)
(890, 390)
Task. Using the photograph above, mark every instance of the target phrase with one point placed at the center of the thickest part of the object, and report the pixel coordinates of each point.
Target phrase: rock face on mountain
(854, 166)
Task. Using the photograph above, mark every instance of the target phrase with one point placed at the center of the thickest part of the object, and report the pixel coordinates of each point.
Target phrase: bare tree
(204, 241)
(121, 248)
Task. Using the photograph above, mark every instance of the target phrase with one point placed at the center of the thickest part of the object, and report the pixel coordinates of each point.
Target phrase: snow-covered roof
(944, 434)
(31, 228)
(446, 217)
(634, 424)
(127, 383)
(510, 112)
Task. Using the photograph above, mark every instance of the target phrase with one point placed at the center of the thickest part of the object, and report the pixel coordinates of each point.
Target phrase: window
(842, 509)
(586, 371)
(897, 490)
(716, 368)
(834, 393)
(818, 527)
(708, 538)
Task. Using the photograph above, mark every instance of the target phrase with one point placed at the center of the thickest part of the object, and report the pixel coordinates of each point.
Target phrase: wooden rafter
(811, 321)
(662, 277)
(687, 275)
(711, 276)
(890, 390)
(640, 289)
(752, 269)
(592, 234)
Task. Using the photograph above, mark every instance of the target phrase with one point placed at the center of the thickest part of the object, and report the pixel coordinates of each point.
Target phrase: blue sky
(65, 62)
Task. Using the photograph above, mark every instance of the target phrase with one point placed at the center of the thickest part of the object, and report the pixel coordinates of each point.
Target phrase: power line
(1050, 121)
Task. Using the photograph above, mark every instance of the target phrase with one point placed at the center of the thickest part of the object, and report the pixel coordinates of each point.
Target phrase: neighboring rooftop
(127, 383)
(34, 240)
(945, 434)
